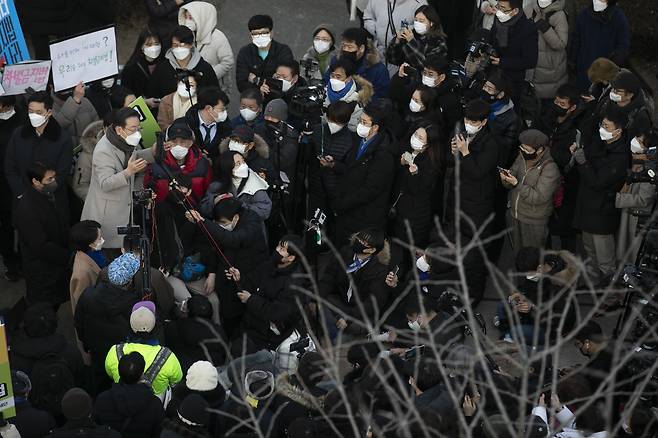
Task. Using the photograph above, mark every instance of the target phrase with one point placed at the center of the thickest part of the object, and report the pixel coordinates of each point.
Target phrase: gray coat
(638, 200)
(551, 70)
(532, 198)
(73, 116)
(376, 19)
(110, 190)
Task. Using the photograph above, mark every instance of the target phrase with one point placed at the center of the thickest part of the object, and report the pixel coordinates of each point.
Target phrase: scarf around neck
(502, 29)
(119, 143)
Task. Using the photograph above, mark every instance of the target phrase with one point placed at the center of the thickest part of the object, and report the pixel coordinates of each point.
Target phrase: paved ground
(294, 22)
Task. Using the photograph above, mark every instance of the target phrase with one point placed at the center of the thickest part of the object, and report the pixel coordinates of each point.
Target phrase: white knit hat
(202, 376)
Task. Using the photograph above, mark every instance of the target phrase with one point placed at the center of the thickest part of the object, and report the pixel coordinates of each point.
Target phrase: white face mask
(179, 152)
(544, 3)
(321, 46)
(248, 114)
(262, 41)
(182, 91)
(420, 28)
(242, 171)
(228, 227)
(428, 81)
(7, 114)
(334, 127)
(362, 130)
(36, 120)
(152, 51)
(471, 129)
(416, 143)
(181, 53)
(503, 17)
(236, 146)
(636, 146)
(422, 264)
(605, 134)
(599, 5)
(134, 138)
(107, 83)
(415, 325)
(99, 245)
(191, 24)
(615, 97)
(287, 85)
(414, 106)
(336, 84)
(222, 116)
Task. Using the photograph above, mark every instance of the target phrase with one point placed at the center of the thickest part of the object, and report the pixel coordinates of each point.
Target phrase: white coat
(211, 42)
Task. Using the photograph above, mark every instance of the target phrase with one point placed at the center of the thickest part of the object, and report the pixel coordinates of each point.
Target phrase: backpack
(529, 106)
(51, 377)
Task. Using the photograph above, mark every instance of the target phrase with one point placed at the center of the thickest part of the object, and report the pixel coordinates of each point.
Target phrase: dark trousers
(7, 241)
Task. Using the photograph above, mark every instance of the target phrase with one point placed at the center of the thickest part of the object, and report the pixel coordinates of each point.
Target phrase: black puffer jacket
(214, 397)
(194, 339)
(413, 194)
(364, 188)
(369, 291)
(324, 181)
(246, 248)
(601, 177)
(273, 299)
(562, 136)
(478, 176)
(132, 410)
(26, 351)
(102, 317)
(248, 61)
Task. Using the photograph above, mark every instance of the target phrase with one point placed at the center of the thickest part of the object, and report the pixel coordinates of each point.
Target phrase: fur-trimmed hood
(285, 388)
(365, 90)
(260, 146)
(91, 135)
(372, 55)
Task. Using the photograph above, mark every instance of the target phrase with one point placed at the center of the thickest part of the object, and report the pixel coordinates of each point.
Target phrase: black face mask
(558, 110)
(489, 97)
(358, 247)
(276, 258)
(528, 157)
(349, 55)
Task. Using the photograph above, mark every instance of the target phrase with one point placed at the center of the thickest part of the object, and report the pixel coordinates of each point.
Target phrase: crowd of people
(357, 206)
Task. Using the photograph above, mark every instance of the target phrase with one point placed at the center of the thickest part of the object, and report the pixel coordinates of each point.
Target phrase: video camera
(307, 103)
(452, 304)
(480, 48)
(182, 75)
(310, 66)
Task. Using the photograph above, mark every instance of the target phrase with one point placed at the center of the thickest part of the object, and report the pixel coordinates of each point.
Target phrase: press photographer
(637, 197)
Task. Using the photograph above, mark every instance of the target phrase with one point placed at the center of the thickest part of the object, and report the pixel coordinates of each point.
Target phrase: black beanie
(193, 411)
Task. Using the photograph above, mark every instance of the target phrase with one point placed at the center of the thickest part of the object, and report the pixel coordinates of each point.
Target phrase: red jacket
(196, 166)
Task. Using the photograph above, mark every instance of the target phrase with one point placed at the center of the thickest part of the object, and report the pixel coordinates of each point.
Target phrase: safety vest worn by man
(162, 369)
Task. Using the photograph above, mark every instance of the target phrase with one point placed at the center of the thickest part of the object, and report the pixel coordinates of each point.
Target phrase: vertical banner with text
(12, 42)
(7, 406)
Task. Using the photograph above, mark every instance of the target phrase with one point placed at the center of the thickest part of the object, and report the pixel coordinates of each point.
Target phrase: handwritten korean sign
(16, 78)
(85, 58)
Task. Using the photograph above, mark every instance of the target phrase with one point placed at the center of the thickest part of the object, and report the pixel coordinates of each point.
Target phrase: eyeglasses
(260, 33)
(500, 8)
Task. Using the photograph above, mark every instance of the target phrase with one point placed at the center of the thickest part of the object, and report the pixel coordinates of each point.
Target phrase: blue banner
(12, 42)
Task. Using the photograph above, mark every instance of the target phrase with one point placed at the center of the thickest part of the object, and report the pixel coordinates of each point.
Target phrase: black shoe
(12, 276)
